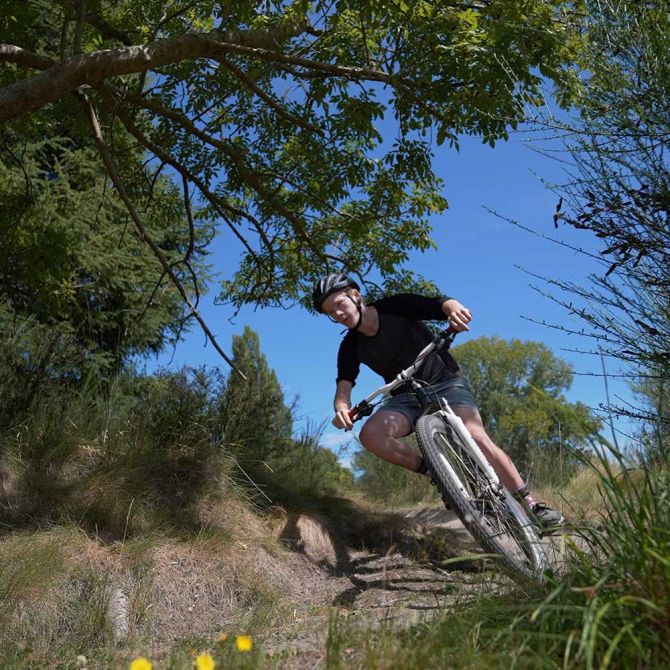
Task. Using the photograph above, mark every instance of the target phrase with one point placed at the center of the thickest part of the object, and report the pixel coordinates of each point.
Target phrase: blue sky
(476, 261)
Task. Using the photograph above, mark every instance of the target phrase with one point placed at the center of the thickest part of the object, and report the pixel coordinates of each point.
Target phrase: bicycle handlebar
(364, 408)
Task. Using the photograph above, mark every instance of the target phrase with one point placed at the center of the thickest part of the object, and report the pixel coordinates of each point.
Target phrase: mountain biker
(387, 335)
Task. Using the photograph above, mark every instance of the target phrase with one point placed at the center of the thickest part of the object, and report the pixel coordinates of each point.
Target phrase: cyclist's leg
(380, 436)
(546, 516)
(500, 461)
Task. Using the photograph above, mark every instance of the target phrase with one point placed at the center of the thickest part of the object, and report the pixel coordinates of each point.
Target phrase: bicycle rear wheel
(497, 521)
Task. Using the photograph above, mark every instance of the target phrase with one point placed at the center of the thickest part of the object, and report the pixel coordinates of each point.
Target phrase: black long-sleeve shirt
(402, 334)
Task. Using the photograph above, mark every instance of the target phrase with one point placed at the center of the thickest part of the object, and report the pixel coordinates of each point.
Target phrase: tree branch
(79, 27)
(110, 165)
(13, 54)
(56, 82)
(269, 100)
(107, 30)
(218, 203)
(234, 154)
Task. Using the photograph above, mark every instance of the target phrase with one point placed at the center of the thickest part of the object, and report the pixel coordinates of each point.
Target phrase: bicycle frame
(364, 408)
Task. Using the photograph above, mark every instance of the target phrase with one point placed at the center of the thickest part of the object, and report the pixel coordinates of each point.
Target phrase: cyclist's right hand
(342, 420)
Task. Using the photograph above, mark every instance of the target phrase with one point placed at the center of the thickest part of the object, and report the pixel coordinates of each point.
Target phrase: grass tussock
(53, 593)
(613, 610)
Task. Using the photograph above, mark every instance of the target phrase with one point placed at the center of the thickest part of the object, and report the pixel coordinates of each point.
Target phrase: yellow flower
(141, 663)
(204, 662)
(243, 642)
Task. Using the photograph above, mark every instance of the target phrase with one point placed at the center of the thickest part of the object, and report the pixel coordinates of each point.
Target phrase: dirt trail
(409, 576)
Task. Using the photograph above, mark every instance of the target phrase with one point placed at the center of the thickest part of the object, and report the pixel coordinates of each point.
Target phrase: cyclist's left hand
(458, 315)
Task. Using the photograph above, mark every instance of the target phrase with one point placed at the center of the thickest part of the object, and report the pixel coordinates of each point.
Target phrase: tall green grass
(608, 607)
(612, 609)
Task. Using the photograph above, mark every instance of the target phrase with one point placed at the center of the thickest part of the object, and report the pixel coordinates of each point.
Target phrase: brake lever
(357, 412)
(448, 335)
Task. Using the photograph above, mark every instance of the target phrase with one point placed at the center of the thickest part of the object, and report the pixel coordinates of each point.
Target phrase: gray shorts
(456, 390)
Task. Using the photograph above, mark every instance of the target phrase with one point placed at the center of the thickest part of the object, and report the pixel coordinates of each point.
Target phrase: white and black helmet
(331, 283)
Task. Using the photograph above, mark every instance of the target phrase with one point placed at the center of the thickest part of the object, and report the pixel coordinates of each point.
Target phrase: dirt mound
(204, 587)
(437, 517)
(314, 537)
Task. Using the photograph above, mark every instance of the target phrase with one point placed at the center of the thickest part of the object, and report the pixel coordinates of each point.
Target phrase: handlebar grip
(359, 411)
(447, 336)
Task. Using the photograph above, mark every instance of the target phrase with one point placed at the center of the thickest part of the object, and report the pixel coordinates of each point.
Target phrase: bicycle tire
(498, 522)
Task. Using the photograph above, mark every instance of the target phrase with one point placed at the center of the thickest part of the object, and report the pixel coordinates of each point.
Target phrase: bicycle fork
(458, 426)
(452, 419)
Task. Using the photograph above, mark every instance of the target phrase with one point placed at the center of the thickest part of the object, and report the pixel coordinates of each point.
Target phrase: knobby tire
(499, 523)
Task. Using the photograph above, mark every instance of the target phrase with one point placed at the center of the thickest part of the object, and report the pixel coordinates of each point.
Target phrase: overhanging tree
(269, 112)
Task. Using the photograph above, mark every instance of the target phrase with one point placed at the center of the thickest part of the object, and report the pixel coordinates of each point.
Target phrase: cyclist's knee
(481, 437)
(364, 435)
(370, 434)
(383, 425)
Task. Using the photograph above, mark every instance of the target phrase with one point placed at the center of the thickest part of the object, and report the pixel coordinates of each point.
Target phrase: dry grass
(54, 587)
(58, 586)
(581, 498)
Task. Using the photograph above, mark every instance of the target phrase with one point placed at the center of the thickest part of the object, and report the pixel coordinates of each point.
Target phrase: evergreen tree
(256, 422)
(69, 260)
(257, 427)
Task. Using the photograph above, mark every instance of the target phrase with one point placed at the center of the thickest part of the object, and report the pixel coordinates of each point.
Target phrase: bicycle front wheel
(497, 521)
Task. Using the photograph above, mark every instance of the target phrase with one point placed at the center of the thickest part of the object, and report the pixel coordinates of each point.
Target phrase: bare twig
(268, 99)
(110, 165)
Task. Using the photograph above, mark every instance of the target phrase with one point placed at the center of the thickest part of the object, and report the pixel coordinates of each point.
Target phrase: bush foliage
(74, 448)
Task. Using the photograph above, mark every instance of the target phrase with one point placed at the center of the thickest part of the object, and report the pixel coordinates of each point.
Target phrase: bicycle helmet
(331, 283)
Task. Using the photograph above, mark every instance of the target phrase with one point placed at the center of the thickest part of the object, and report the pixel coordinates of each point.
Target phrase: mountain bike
(466, 481)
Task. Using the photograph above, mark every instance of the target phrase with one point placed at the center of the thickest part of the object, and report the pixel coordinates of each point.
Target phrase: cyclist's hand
(458, 315)
(342, 419)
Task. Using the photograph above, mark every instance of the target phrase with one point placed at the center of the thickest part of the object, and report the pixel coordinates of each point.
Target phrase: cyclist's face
(341, 307)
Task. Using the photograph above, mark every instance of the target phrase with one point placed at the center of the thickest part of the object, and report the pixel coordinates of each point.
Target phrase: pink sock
(522, 492)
